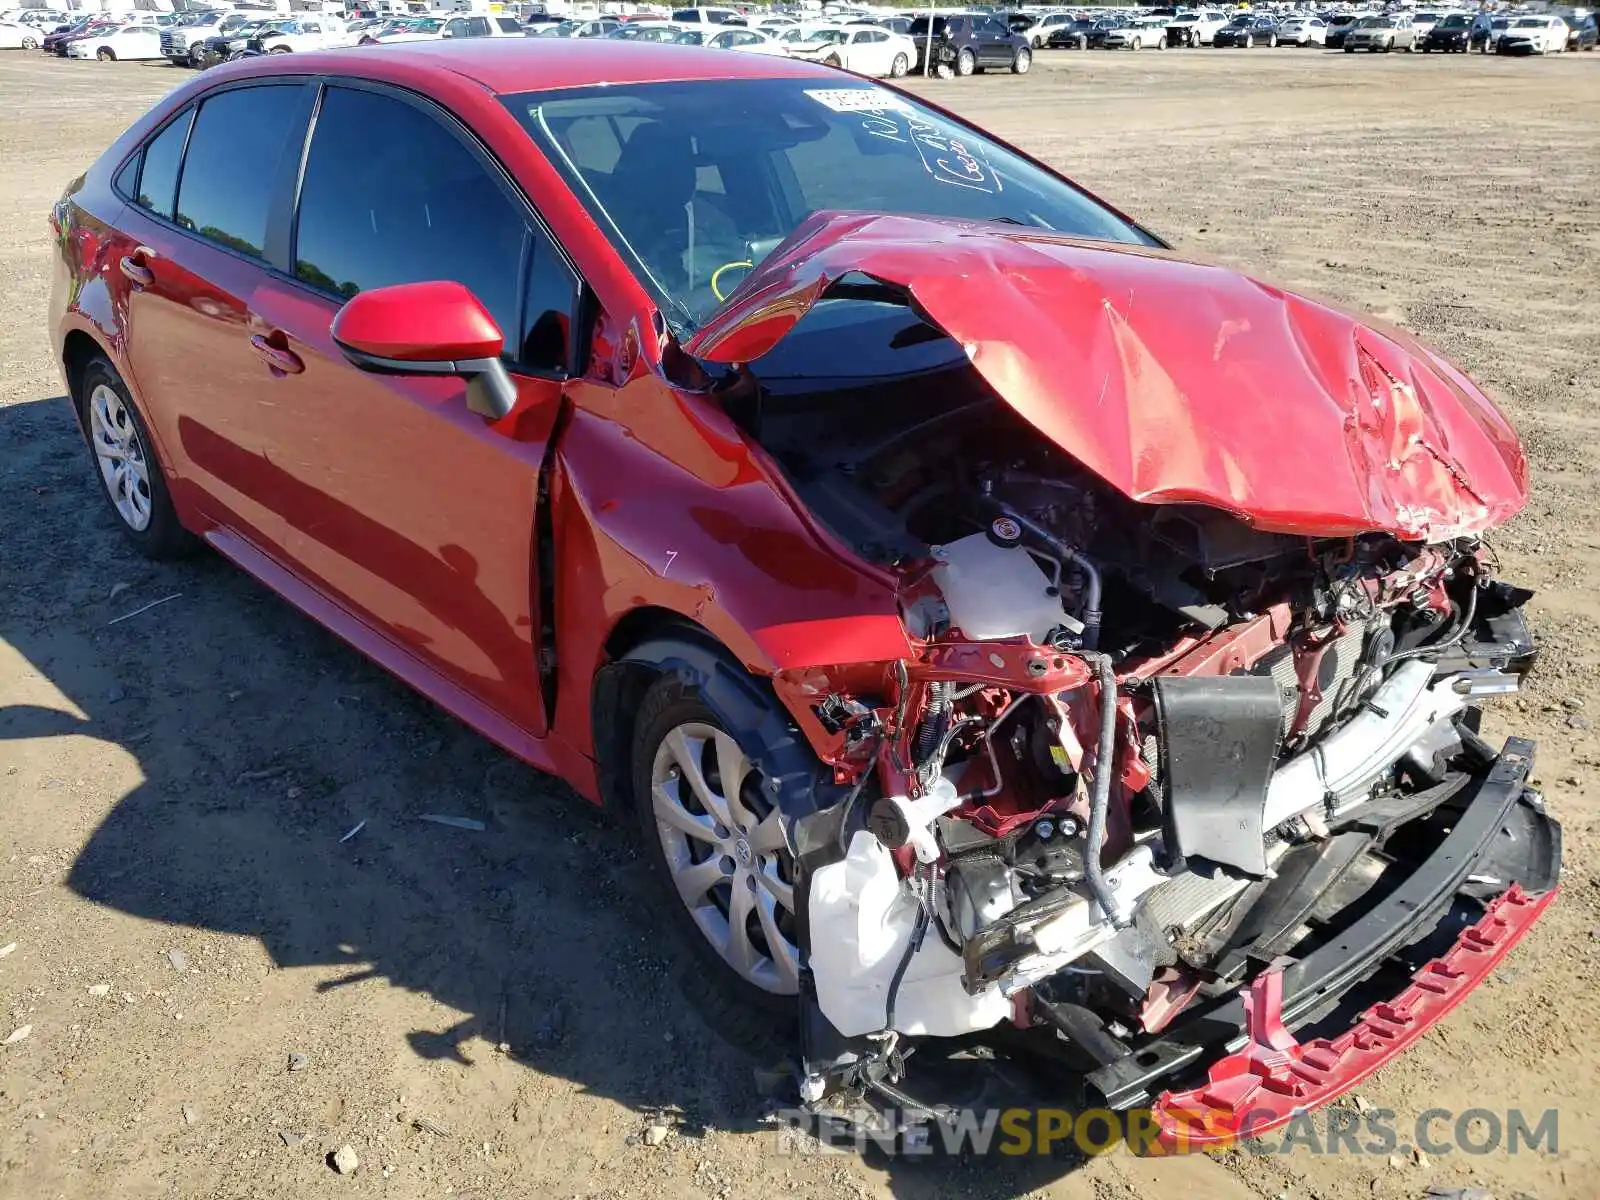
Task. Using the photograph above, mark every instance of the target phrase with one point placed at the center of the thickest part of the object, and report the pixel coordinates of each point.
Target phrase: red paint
(1264, 1085)
(439, 321)
(1173, 381)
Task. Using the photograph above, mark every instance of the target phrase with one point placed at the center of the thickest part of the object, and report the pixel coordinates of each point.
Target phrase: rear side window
(369, 218)
(232, 165)
(158, 179)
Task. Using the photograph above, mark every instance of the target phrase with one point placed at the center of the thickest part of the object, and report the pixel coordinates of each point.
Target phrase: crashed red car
(1005, 632)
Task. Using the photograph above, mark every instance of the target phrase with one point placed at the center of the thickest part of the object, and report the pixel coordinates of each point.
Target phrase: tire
(758, 1019)
(29, 43)
(1249, 41)
(943, 71)
(1161, 43)
(833, 61)
(966, 63)
(106, 54)
(899, 66)
(1136, 44)
(1083, 42)
(1023, 60)
(1272, 41)
(119, 426)
(279, 50)
(1194, 39)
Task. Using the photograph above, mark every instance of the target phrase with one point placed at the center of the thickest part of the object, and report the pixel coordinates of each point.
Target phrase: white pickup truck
(181, 42)
(314, 31)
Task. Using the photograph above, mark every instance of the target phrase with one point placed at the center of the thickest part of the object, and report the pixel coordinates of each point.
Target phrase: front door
(412, 512)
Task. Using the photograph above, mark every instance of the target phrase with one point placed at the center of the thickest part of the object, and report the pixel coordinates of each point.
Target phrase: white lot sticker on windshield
(862, 99)
(946, 153)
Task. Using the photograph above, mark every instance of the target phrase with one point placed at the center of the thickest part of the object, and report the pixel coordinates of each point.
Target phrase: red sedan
(1000, 628)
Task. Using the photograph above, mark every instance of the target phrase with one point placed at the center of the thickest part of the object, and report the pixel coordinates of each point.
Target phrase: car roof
(509, 65)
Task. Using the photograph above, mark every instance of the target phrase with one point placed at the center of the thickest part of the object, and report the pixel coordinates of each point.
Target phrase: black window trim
(577, 344)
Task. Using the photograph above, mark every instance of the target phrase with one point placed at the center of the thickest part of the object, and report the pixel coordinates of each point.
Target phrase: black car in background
(1339, 27)
(1103, 26)
(966, 43)
(1451, 35)
(1074, 36)
(1582, 32)
(1247, 30)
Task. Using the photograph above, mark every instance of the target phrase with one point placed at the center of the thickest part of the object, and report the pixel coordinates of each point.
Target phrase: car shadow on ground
(263, 740)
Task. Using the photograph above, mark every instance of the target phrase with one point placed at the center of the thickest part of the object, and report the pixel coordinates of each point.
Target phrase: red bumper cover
(1273, 1078)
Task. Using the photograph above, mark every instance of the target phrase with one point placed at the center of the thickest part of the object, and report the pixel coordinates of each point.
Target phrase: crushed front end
(1148, 798)
(1185, 760)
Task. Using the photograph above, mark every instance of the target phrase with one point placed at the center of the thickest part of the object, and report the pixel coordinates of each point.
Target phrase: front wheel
(1021, 63)
(899, 66)
(833, 61)
(966, 63)
(1194, 39)
(1249, 41)
(279, 50)
(29, 43)
(1136, 44)
(1272, 41)
(106, 54)
(716, 843)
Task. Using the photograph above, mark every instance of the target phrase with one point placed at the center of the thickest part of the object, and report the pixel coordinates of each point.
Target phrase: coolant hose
(1090, 614)
(935, 718)
(1100, 796)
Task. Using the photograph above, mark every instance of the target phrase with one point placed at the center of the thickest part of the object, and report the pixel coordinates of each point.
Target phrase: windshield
(698, 181)
(1376, 22)
(1241, 22)
(1456, 21)
(825, 35)
(1529, 23)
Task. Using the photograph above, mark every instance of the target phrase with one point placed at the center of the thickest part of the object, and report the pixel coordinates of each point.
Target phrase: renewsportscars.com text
(1438, 1132)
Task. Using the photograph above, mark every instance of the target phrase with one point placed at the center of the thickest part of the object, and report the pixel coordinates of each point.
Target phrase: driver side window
(367, 218)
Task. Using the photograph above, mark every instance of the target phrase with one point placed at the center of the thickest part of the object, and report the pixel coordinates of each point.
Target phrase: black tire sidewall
(164, 537)
(750, 1017)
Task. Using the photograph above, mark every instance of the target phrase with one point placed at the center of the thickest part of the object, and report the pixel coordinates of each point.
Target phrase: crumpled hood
(1173, 381)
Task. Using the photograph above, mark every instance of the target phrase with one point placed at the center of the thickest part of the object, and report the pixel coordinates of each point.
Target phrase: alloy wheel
(121, 455)
(725, 849)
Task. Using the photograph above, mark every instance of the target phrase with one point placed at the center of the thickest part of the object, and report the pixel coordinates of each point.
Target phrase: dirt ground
(221, 991)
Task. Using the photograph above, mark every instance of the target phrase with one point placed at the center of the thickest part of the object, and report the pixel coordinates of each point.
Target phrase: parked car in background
(1423, 21)
(708, 16)
(1541, 34)
(597, 28)
(1339, 27)
(677, 421)
(1247, 30)
(1451, 34)
(1582, 32)
(16, 36)
(314, 31)
(1048, 24)
(223, 46)
(633, 31)
(966, 43)
(1073, 36)
(1382, 33)
(1303, 30)
(182, 42)
(748, 41)
(1144, 33)
(439, 28)
(56, 43)
(118, 42)
(1103, 28)
(1195, 28)
(1487, 30)
(865, 49)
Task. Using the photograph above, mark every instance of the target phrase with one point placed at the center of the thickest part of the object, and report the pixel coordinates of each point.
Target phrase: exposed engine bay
(1129, 765)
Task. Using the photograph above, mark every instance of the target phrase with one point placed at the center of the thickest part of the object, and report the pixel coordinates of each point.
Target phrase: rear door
(195, 246)
(410, 511)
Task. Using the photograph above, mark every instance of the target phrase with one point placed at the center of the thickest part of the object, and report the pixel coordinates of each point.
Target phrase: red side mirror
(434, 328)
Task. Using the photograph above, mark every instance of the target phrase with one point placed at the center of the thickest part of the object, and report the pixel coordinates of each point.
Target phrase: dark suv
(970, 42)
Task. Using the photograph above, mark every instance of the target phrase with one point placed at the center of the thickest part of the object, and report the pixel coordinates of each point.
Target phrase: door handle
(280, 359)
(135, 268)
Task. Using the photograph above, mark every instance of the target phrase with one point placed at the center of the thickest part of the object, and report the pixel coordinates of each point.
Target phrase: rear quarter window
(158, 178)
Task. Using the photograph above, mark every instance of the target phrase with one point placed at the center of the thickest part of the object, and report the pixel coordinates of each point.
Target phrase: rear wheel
(1023, 60)
(717, 845)
(966, 63)
(106, 54)
(899, 66)
(833, 61)
(124, 455)
(30, 43)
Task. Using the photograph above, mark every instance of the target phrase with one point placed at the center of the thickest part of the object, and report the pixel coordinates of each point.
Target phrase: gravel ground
(221, 995)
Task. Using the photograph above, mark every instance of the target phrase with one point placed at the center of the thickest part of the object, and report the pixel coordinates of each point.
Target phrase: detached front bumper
(1502, 849)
